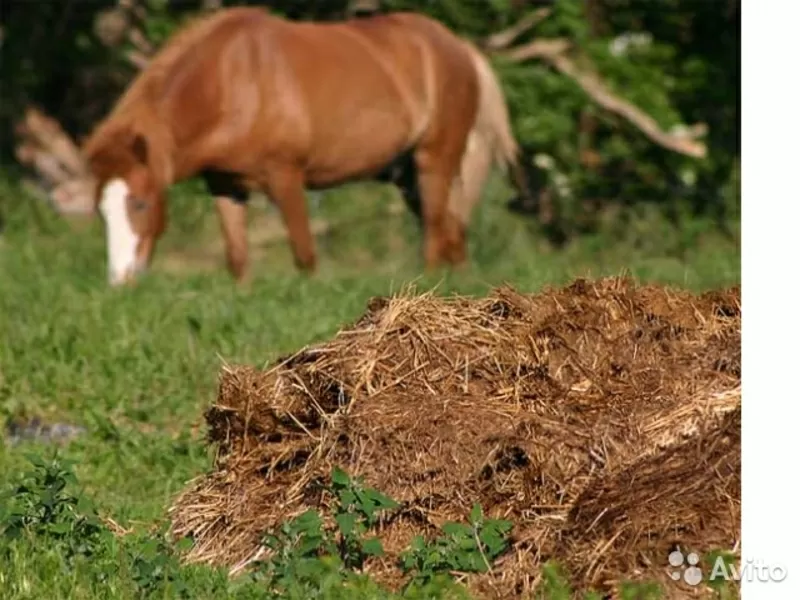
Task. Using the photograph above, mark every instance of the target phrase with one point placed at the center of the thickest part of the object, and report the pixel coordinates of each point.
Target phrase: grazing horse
(248, 100)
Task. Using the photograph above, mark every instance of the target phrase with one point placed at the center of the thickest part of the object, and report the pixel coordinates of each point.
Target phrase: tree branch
(553, 52)
(62, 174)
(114, 26)
(137, 59)
(503, 39)
(363, 7)
(111, 26)
(140, 41)
(537, 49)
(43, 162)
(42, 133)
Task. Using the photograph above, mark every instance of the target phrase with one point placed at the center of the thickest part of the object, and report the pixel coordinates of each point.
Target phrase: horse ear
(139, 147)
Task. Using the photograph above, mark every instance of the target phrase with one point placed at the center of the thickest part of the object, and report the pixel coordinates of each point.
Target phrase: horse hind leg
(437, 176)
(465, 193)
(438, 158)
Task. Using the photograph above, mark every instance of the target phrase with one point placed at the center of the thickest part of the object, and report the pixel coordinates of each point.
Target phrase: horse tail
(493, 122)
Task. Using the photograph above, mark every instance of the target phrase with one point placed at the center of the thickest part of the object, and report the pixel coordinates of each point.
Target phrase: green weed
(465, 548)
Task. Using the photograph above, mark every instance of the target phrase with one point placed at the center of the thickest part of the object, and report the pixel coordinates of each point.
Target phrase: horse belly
(358, 147)
(365, 95)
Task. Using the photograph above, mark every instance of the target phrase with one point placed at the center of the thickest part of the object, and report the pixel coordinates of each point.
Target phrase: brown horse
(248, 100)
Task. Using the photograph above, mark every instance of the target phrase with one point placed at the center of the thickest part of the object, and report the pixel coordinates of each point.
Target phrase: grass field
(137, 367)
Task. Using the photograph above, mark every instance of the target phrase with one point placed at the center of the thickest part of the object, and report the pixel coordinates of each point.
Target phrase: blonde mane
(136, 111)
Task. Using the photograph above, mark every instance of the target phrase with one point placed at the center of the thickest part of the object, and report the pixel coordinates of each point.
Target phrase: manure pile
(602, 419)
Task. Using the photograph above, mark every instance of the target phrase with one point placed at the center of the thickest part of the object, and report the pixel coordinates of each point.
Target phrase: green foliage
(303, 557)
(161, 21)
(357, 512)
(155, 567)
(555, 582)
(42, 511)
(556, 587)
(42, 507)
(650, 75)
(465, 548)
(306, 558)
(302, 548)
(640, 591)
(723, 587)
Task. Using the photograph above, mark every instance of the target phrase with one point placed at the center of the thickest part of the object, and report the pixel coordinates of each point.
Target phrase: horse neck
(161, 160)
(160, 146)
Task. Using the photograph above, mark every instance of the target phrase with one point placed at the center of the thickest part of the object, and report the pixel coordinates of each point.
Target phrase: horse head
(131, 199)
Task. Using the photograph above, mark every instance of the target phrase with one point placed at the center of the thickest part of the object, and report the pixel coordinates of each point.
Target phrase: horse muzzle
(126, 276)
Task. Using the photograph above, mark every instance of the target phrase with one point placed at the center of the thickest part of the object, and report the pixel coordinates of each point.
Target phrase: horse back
(375, 87)
(455, 84)
(260, 89)
(341, 99)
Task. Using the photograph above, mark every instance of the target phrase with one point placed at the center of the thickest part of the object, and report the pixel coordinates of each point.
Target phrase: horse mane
(135, 116)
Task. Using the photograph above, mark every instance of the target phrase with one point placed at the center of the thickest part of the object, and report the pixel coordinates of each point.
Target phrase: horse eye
(138, 205)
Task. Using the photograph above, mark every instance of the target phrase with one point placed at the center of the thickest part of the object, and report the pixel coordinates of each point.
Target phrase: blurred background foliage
(676, 60)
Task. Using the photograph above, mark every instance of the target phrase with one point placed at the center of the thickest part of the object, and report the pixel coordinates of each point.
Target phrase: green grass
(137, 367)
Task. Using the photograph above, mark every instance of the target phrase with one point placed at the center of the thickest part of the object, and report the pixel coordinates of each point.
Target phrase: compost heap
(602, 419)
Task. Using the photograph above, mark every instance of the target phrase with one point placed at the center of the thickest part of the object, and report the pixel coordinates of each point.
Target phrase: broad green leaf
(372, 547)
(456, 529)
(346, 522)
(339, 477)
(476, 514)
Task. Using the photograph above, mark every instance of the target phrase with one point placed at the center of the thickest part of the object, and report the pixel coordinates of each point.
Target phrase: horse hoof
(306, 266)
(244, 284)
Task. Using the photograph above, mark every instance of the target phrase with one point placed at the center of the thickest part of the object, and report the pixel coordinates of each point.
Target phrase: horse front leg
(285, 186)
(231, 205)
(233, 221)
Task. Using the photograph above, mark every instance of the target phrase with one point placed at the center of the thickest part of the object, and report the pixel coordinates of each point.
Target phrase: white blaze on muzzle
(122, 241)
